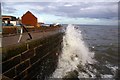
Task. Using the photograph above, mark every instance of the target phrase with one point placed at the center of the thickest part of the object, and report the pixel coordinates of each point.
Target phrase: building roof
(13, 18)
(30, 13)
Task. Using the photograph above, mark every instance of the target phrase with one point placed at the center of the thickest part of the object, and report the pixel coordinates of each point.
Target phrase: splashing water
(74, 52)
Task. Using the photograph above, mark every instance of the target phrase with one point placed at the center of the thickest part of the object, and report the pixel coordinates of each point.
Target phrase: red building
(29, 19)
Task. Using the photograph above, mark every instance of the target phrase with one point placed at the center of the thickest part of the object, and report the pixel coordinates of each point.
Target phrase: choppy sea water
(88, 52)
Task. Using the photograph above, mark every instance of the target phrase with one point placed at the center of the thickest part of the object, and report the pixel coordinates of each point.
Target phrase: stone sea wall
(31, 59)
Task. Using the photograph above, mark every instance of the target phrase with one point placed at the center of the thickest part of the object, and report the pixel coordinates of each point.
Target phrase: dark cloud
(119, 11)
(7, 8)
(107, 10)
(89, 10)
(0, 8)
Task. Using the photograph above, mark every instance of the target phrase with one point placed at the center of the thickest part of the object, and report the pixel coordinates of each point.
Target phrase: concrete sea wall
(31, 59)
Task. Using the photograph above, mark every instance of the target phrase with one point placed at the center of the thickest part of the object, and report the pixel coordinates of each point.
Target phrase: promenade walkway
(11, 40)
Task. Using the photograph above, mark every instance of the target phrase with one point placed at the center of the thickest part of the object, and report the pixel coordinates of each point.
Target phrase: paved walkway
(11, 40)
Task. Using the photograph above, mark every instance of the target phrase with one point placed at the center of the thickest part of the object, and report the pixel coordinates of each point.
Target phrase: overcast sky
(101, 13)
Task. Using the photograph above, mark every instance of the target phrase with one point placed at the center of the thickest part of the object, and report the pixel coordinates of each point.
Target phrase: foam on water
(74, 52)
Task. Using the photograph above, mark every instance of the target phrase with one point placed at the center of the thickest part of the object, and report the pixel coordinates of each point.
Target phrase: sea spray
(74, 52)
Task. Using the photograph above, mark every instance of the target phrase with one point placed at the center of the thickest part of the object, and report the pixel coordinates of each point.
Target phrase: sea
(89, 51)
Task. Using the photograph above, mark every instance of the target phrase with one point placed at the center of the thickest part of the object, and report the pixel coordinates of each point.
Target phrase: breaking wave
(74, 53)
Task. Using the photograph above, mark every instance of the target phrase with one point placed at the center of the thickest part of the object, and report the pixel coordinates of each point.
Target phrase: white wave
(113, 69)
(74, 52)
(106, 76)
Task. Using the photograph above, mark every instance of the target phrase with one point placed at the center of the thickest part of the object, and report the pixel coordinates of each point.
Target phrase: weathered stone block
(5, 78)
(42, 50)
(33, 70)
(34, 59)
(20, 76)
(0, 68)
(10, 73)
(21, 67)
(35, 43)
(27, 54)
(11, 51)
(6, 66)
(46, 66)
(27, 78)
(10, 63)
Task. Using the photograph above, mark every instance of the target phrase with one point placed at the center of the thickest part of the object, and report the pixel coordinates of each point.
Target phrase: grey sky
(96, 10)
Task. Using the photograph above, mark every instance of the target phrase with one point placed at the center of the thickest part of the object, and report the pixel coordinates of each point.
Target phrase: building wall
(29, 19)
(13, 22)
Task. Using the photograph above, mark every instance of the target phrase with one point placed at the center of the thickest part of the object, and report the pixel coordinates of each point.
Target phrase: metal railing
(21, 33)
